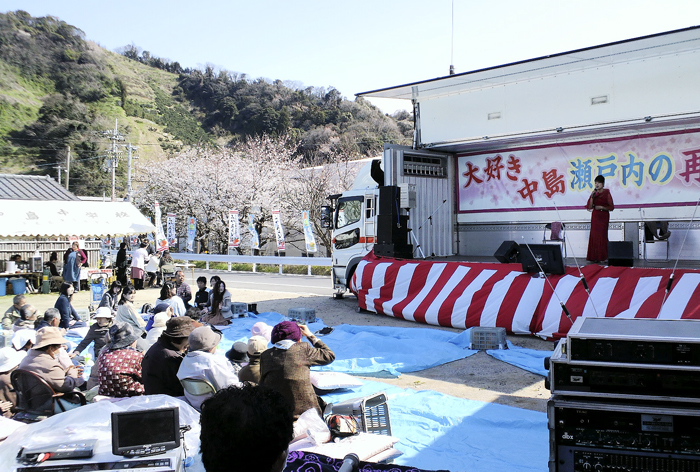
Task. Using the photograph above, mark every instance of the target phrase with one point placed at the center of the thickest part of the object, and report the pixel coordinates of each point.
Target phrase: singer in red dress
(600, 204)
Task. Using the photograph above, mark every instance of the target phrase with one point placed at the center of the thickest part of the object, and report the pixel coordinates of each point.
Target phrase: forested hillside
(59, 91)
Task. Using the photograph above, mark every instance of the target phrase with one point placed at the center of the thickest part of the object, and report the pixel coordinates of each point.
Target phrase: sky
(361, 45)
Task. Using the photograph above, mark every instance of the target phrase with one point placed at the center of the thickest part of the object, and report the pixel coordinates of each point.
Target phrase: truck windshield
(349, 211)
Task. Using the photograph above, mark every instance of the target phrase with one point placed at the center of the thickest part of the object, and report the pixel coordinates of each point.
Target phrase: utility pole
(114, 136)
(129, 148)
(67, 170)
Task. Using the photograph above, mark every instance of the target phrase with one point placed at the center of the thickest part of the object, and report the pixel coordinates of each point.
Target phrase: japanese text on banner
(234, 229)
(254, 239)
(279, 231)
(308, 233)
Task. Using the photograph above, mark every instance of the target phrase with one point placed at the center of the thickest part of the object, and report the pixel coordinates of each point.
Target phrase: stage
(483, 292)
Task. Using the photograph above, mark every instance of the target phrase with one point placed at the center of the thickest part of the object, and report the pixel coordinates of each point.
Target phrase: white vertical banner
(308, 233)
(234, 229)
(279, 230)
(161, 241)
(254, 239)
(172, 238)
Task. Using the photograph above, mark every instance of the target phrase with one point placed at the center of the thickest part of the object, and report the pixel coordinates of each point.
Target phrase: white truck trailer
(500, 152)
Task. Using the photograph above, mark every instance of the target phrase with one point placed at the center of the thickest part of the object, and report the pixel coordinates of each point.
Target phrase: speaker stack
(625, 396)
(620, 253)
(392, 226)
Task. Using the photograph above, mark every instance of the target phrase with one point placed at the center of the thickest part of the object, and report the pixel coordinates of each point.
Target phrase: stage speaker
(507, 252)
(620, 253)
(389, 200)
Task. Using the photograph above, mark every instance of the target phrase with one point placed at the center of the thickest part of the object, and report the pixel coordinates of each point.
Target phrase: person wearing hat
(251, 373)
(9, 360)
(238, 355)
(160, 317)
(285, 367)
(201, 363)
(119, 364)
(42, 359)
(163, 359)
(24, 339)
(96, 334)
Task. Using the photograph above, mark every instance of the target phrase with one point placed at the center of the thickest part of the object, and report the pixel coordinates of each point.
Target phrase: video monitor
(547, 255)
(145, 432)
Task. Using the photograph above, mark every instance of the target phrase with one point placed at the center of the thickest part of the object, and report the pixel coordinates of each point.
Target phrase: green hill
(58, 90)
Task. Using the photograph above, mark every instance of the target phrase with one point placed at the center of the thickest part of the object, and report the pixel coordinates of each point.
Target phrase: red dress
(598, 239)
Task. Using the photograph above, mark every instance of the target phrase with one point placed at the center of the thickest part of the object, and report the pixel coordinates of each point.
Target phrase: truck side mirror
(327, 217)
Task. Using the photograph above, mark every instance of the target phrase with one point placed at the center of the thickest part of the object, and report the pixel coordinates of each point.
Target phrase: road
(300, 285)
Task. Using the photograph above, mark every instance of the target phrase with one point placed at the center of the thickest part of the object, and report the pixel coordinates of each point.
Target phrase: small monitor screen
(546, 256)
(146, 431)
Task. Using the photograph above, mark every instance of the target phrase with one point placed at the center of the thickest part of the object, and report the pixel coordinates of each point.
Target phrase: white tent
(21, 219)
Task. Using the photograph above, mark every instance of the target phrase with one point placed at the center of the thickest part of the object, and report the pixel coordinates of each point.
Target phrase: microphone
(351, 463)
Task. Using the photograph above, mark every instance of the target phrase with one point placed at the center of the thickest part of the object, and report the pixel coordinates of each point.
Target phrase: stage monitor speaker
(620, 253)
(507, 252)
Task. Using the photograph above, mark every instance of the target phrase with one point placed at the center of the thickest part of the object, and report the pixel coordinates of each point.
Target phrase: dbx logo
(567, 436)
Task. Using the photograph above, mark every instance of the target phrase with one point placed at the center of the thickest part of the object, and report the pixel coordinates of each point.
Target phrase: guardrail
(255, 260)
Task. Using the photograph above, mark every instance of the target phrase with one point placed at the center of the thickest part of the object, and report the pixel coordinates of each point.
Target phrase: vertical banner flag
(191, 232)
(234, 229)
(254, 239)
(172, 239)
(308, 233)
(279, 231)
(161, 242)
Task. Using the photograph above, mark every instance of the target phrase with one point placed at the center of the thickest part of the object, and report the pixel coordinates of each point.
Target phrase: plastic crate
(483, 337)
(304, 315)
(239, 310)
(372, 413)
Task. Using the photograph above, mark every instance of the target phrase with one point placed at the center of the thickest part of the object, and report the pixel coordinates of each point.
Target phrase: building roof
(32, 187)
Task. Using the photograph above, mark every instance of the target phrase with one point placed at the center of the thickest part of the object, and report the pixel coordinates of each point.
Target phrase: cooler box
(3, 286)
(19, 286)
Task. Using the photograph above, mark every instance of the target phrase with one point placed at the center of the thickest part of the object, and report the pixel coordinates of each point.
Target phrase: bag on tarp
(342, 426)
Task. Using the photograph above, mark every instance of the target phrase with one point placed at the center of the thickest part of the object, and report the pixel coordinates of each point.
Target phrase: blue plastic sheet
(370, 350)
(438, 431)
(531, 360)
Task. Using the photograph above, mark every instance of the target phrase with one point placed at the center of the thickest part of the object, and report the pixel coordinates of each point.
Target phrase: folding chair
(36, 400)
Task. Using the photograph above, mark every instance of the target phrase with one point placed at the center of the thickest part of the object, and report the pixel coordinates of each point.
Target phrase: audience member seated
(162, 361)
(27, 318)
(24, 340)
(51, 317)
(111, 297)
(183, 289)
(168, 294)
(202, 364)
(201, 298)
(220, 311)
(126, 313)
(656, 230)
(9, 360)
(285, 367)
(238, 355)
(69, 317)
(43, 360)
(12, 313)
(119, 365)
(251, 372)
(194, 313)
(53, 270)
(96, 334)
(158, 326)
(251, 424)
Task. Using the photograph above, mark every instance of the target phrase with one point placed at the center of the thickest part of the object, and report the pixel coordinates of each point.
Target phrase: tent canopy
(21, 219)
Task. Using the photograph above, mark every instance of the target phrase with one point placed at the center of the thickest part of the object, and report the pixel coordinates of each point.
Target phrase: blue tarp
(438, 431)
(531, 360)
(371, 350)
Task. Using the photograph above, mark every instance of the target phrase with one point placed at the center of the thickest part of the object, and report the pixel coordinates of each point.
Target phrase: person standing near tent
(122, 264)
(72, 261)
(138, 263)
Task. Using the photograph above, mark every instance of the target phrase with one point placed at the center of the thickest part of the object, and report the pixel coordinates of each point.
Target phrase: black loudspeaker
(507, 252)
(620, 253)
(389, 200)
(392, 229)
